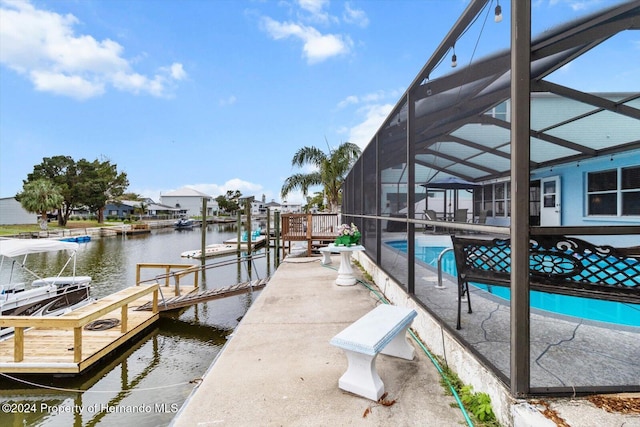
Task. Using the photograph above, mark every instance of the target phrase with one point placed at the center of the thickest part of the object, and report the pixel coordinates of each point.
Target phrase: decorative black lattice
(557, 259)
(557, 264)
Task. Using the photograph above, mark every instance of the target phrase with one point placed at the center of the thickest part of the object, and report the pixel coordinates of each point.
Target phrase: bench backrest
(558, 264)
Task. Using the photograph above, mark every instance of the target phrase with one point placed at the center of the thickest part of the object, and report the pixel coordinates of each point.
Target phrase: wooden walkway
(181, 301)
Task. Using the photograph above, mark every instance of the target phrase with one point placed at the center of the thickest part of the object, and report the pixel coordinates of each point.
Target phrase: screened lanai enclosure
(537, 181)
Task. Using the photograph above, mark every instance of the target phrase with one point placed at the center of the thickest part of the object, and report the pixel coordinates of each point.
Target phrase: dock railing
(76, 320)
(320, 228)
(177, 271)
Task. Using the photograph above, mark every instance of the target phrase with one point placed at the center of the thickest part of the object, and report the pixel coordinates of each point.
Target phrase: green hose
(428, 353)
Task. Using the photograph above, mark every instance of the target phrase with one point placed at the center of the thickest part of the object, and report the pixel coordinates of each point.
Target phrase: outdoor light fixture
(454, 59)
(498, 17)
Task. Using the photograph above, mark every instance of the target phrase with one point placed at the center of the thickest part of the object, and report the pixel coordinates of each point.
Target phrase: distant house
(12, 212)
(259, 207)
(123, 209)
(189, 202)
(290, 207)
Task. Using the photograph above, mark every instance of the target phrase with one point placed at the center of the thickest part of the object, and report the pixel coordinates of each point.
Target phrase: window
(487, 193)
(630, 189)
(614, 192)
(495, 199)
(500, 199)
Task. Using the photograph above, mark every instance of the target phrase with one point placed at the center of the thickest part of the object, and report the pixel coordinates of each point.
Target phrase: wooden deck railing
(310, 228)
(177, 271)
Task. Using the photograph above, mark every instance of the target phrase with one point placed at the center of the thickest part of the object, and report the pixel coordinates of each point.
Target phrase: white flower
(347, 230)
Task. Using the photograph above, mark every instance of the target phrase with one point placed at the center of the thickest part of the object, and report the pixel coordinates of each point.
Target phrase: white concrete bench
(382, 330)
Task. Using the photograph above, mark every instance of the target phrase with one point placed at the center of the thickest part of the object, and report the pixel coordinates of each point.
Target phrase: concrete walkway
(278, 368)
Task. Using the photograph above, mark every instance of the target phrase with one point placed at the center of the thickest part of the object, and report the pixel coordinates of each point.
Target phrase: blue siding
(573, 186)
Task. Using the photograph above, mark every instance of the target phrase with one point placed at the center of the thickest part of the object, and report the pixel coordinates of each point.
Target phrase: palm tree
(141, 209)
(330, 172)
(40, 196)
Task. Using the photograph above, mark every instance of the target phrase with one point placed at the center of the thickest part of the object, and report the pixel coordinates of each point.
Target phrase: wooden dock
(55, 345)
(133, 230)
(195, 297)
(76, 341)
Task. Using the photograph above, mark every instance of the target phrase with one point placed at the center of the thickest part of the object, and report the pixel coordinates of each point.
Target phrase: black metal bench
(557, 264)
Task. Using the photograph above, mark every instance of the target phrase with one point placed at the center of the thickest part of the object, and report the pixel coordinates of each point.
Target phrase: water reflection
(148, 382)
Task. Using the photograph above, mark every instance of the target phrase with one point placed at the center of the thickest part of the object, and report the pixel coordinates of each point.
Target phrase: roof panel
(546, 113)
(466, 171)
(600, 131)
(543, 151)
(492, 161)
(486, 135)
(455, 149)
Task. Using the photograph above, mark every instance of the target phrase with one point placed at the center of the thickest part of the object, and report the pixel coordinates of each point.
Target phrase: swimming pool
(585, 308)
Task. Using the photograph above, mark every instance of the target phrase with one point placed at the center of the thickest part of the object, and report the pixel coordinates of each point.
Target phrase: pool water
(585, 308)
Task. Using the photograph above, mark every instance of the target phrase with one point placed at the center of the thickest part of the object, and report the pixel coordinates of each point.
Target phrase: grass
(10, 230)
(477, 404)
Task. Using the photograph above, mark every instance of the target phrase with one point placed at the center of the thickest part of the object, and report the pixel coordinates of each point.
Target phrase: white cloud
(313, 6)
(215, 190)
(373, 97)
(349, 100)
(59, 61)
(355, 16)
(230, 100)
(177, 71)
(61, 84)
(317, 47)
(315, 9)
(362, 133)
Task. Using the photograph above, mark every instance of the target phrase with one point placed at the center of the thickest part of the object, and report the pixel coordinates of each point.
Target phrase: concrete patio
(278, 367)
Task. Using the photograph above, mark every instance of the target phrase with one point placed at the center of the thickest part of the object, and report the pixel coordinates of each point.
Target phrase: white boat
(256, 241)
(227, 247)
(43, 296)
(214, 250)
(184, 223)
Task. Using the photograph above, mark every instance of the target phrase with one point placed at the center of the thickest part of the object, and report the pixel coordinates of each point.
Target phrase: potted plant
(348, 235)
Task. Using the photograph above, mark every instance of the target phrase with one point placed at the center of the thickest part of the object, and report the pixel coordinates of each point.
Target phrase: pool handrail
(440, 256)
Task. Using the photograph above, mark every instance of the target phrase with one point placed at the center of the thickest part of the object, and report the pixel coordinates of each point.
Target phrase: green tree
(330, 171)
(99, 183)
(132, 196)
(61, 172)
(81, 183)
(229, 202)
(141, 209)
(317, 201)
(40, 196)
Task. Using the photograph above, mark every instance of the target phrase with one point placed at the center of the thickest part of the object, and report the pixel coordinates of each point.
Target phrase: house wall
(12, 212)
(573, 184)
(192, 205)
(119, 210)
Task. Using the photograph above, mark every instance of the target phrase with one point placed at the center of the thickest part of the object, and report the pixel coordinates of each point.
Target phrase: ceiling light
(498, 17)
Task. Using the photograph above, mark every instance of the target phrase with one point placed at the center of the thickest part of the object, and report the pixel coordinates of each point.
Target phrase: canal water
(147, 382)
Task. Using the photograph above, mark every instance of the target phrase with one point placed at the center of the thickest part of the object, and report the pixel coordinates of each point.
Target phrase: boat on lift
(33, 295)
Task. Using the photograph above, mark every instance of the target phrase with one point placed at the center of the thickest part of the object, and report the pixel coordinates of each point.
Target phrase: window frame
(618, 192)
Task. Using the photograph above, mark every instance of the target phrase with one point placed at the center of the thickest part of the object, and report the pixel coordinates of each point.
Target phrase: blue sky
(219, 95)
